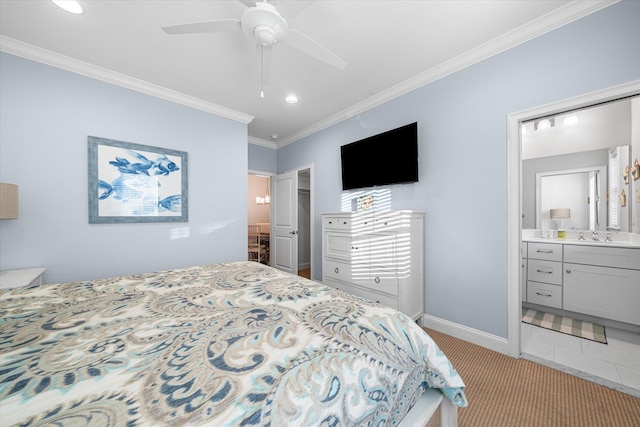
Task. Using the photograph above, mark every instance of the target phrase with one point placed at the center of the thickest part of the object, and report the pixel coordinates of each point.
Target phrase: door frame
(298, 169)
(270, 175)
(514, 191)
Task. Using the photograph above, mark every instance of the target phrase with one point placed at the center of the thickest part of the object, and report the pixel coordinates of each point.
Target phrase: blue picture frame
(131, 183)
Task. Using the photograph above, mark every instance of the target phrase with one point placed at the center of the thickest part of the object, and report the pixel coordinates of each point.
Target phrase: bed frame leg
(448, 414)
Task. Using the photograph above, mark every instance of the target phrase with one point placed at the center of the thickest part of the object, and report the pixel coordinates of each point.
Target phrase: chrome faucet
(594, 236)
(581, 236)
(608, 238)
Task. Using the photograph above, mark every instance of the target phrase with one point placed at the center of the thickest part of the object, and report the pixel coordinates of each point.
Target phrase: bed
(228, 344)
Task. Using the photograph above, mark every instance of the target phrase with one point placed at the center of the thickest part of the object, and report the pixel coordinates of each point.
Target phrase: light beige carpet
(507, 392)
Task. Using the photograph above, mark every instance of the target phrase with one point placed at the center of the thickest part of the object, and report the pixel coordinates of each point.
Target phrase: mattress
(229, 344)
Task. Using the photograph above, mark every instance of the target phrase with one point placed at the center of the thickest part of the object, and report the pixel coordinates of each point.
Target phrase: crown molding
(564, 15)
(262, 142)
(53, 59)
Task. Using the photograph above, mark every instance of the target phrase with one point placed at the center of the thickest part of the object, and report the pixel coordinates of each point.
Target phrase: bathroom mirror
(576, 160)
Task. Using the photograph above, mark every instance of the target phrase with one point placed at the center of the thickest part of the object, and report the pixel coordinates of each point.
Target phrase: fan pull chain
(261, 71)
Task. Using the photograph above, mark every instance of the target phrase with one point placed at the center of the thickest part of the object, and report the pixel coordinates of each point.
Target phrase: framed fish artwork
(136, 183)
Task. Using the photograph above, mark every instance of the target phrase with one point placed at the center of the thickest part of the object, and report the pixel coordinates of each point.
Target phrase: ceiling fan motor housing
(264, 24)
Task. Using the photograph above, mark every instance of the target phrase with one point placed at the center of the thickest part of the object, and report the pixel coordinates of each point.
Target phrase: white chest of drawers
(376, 255)
(21, 278)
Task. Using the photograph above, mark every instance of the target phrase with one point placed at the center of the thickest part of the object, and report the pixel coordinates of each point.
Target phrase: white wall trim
(475, 336)
(261, 142)
(562, 16)
(53, 59)
(514, 180)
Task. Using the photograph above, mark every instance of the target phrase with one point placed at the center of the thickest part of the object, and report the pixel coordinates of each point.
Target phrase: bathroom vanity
(594, 278)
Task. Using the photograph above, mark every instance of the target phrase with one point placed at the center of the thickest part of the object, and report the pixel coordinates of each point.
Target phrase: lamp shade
(8, 201)
(563, 213)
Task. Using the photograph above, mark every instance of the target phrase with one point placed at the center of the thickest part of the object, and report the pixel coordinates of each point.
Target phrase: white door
(284, 222)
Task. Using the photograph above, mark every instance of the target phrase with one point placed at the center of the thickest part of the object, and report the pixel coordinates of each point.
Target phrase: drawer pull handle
(545, 251)
(337, 270)
(568, 271)
(543, 295)
(543, 271)
(377, 279)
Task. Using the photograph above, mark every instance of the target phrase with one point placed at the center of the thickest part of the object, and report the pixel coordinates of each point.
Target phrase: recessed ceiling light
(291, 99)
(71, 6)
(274, 136)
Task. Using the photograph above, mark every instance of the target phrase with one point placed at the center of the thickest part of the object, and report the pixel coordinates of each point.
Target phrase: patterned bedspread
(223, 345)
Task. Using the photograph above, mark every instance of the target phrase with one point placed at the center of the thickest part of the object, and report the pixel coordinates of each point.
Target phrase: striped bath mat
(566, 325)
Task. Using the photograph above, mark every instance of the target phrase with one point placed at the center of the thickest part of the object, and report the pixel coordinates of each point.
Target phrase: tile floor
(615, 365)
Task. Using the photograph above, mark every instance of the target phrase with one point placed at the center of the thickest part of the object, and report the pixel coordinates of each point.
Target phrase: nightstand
(21, 278)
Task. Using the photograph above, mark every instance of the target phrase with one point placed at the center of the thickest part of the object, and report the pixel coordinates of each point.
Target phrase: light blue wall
(262, 159)
(462, 127)
(46, 115)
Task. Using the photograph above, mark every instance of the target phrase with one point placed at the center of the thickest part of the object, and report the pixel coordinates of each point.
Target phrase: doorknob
(293, 232)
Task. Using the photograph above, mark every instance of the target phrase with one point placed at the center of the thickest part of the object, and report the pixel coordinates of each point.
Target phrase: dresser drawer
(338, 245)
(603, 256)
(545, 251)
(544, 271)
(336, 223)
(345, 272)
(364, 293)
(544, 294)
(383, 279)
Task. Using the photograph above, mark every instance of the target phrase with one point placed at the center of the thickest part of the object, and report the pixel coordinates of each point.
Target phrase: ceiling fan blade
(249, 3)
(312, 48)
(216, 26)
(289, 8)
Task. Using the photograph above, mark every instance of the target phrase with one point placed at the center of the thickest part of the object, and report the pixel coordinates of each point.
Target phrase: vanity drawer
(546, 251)
(544, 294)
(603, 256)
(544, 271)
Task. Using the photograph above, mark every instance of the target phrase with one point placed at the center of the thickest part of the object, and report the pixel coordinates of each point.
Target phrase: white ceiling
(391, 47)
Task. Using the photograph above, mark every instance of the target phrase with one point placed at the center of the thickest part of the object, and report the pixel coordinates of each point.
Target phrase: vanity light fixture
(544, 123)
(71, 6)
(570, 120)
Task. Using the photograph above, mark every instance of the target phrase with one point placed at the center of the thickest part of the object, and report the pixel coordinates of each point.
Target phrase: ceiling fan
(266, 26)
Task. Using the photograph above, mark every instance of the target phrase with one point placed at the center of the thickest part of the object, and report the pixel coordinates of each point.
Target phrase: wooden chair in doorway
(254, 248)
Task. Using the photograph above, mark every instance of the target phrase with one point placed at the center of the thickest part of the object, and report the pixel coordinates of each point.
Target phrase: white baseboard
(483, 339)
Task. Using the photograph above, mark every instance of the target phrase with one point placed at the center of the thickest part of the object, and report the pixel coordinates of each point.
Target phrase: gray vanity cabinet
(602, 282)
(544, 274)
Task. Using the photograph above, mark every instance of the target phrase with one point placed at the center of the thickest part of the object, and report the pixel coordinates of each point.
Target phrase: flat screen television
(387, 158)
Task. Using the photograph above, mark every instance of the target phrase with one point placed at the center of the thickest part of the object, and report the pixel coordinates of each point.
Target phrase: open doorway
(259, 218)
(304, 223)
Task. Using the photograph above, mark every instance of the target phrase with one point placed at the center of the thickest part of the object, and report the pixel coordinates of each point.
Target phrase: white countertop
(613, 244)
(618, 239)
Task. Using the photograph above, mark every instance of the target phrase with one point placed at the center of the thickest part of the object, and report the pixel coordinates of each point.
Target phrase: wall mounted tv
(387, 158)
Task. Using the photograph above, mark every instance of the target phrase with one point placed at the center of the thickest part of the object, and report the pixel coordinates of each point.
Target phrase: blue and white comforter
(223, 345)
